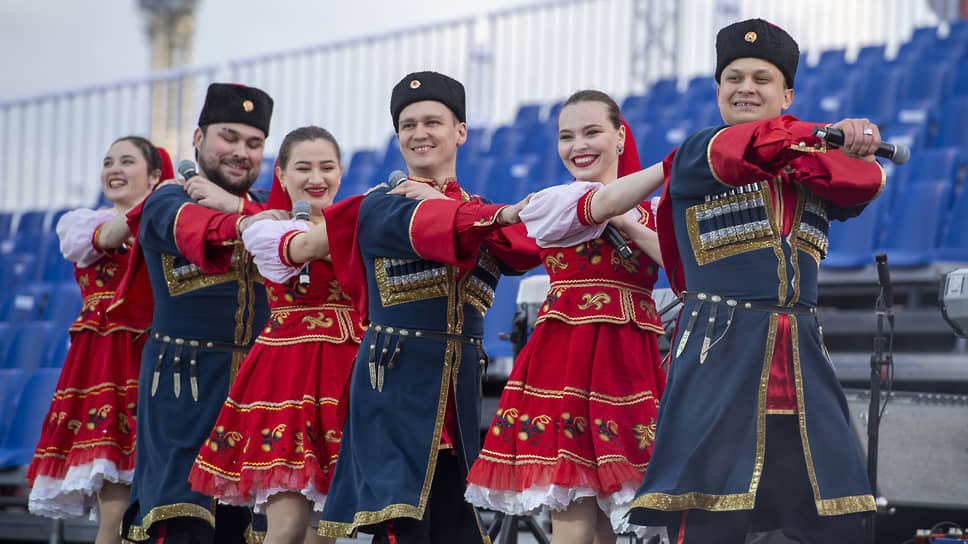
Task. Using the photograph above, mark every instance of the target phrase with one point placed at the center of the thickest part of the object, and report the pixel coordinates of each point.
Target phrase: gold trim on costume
(709, 160)
(430, 287)
(179, 284)
(727, 246)
(169, 511)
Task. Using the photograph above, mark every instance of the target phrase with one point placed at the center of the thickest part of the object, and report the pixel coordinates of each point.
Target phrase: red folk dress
(578, 414)
(88, 436)
(280, 429)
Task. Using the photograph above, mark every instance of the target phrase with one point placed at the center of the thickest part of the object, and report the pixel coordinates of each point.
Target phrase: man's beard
(214, 175)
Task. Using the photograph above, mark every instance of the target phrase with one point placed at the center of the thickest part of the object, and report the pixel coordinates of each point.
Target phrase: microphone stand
(882, 361)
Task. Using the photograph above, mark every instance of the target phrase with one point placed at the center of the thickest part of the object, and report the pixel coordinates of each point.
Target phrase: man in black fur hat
(420, 262)
(209, 304)
(753, 428)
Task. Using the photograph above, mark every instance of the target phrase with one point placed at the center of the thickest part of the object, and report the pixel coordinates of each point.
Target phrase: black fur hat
(758, 39)
(418, 86)
(231, 103)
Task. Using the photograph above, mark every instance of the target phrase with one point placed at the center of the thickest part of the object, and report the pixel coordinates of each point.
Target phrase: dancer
(85, 457)
(575, 425)
(753, 429)
(277, 437)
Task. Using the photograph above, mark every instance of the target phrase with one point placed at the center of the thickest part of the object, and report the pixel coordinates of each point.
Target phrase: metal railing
(51, 145)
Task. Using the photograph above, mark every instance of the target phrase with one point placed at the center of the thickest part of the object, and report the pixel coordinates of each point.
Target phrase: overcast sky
(57, 45)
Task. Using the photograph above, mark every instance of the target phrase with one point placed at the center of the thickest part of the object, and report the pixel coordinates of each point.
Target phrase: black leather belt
(714, 301)
(376, 367)
(193, 346)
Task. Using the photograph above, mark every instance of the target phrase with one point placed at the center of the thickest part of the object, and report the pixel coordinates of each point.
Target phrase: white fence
(51, 146)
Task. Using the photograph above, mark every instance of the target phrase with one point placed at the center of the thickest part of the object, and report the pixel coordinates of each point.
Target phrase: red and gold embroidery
(555, 262)
(644, 434)
(598, 300)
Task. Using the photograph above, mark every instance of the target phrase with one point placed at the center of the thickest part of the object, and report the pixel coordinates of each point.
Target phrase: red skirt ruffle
(578, 411)
(281, 426)
(92, 414)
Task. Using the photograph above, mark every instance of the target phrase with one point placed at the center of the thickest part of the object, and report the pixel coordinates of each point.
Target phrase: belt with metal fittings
(192, 345)
(377, 367)
(715, 301)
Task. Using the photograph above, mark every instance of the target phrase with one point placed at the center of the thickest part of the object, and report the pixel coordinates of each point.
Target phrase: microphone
(615, 238)
(301, 210)
(896, 153)
(884, 278)
(187, 170)
(396, 178)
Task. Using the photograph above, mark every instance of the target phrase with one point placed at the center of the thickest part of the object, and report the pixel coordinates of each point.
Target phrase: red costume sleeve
(761, 150)
(207, 237)
(451, 231)
(251, 207)
(672, 263)
(342, 221)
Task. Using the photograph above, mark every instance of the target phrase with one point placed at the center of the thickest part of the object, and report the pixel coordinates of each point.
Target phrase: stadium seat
(874, 93)
(634, 108)
(56, 267)
(17, 269)
(474, 146)
(851, 243)
(554, 110)
(392, 160)
(658, 142)
(6, 219)
(498, 319)
(55, 217)
(474, 175)
(951, 126)
(528, 113)
(663, 92)
(7, 332)
(914, 136)
(505, 140)
(20, 441)
(916, 221)
(831, 60)
(264, 181)
(870, 55)
(32, 221)
(25, 302)
(954, 236)
(30, 346)
(512, 178)
(10, 384)
(540, 137)
(931, 81)
(60, 343)
(939, 164)
(63, 303)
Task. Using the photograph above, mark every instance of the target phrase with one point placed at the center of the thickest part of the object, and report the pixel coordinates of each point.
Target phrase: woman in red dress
(277, 437)
(575, 424)
(85, 457)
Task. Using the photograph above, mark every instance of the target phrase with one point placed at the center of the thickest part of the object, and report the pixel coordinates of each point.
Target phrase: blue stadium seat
(32, 221)
(528, 113)
(663, 92)
(634, 108)
(6, 219)
(474, 175)
(700, 89)
(540, 137)
(554, 110)
(552, 171)
(17, 269)
(392, 159)
(930, 81)
(851, 243)
(498, 319)
(658, 142)
(870, 55)
(474, 146)
(954, 236)
(512, 178)
(505, 140)
(63, 303)
(917, 217)
(10, 385)
(56, 267)
(940, 164)
(7, 332)
(30, 346)
(55, 217)
(959, 86)
(20, 441)
(831, 60)
(264, 181)
(25, 302)
(60, 342)
(874, 93)
(951, 126)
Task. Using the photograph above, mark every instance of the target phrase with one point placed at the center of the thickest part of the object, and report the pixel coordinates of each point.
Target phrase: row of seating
(24, 400)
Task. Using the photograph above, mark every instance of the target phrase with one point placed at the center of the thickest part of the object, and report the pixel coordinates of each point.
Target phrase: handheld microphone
(615, 238)
(301, 210)
(396, 178)
(884, 278)
(896, 153)
(187, 170)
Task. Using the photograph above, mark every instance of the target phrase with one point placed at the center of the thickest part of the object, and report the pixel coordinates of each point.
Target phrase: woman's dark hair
(147, 149)
(591, 95)
(304, 134)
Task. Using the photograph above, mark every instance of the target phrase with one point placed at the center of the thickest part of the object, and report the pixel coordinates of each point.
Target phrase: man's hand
(416, 190)
(210, 195)
(861, 138)
(278, 215)
(509, 215)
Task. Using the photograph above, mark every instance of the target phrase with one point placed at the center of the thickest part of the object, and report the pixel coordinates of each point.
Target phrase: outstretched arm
(625, 193)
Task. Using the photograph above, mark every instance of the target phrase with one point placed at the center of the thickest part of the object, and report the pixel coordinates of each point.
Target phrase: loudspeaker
(922, 447)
